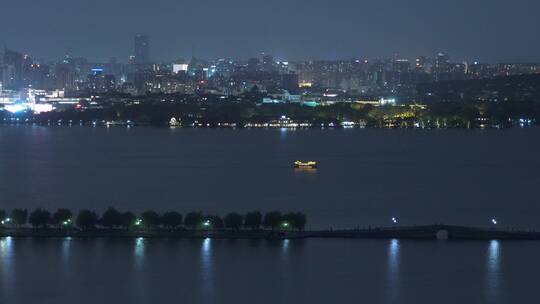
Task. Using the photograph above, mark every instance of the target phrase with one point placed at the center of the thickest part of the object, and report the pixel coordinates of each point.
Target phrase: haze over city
(483, 30)
(269, 152)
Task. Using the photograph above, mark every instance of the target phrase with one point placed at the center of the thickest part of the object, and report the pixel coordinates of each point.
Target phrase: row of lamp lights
(138, 222)
(207, 223)
(395, 220)
(8, 220)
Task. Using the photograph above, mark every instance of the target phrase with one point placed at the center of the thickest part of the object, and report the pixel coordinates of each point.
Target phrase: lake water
(93, 271)
(365, 176)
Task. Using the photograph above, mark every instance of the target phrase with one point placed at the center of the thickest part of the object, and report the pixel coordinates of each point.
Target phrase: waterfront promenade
(432, 232)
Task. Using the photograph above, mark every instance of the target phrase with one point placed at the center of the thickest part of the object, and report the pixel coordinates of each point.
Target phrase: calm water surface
(223, 271)
(365, 176)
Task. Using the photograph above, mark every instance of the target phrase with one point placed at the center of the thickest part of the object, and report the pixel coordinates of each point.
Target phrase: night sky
(484, 30)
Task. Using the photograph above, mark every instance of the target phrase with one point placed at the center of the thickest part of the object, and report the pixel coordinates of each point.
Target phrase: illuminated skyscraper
(142, 49)
(441, 62)
(441, 67)
(420, 63)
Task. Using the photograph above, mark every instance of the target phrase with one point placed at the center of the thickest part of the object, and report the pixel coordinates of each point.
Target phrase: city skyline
(240, 151)
(486, 31)
(389, 77)
(142, 50)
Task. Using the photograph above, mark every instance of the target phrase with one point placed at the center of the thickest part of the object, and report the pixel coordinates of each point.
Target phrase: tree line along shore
(251, 225)
(88, 220)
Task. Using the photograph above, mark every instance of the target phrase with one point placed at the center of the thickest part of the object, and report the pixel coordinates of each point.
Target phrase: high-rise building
(401, 65)
(13, 69)
(39, 76)
(289, 82)
(267, 63)
(26, 68)
(66, 76)
(7, 76)
(441, 62)
(253, 65)
(401, 69)
(420, 63)
(441, 66)
(142, 49)
(99, 82)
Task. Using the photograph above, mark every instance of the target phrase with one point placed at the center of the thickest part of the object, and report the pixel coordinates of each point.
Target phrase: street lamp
(394, 220)
(494, 221)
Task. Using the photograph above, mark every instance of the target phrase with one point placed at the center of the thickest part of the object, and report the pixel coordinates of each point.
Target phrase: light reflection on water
(139, 250)
(66, 244)
(206, 255)
(140, 278)
(7, 261)
(393, 256)
(66, 255)
(285, 248)
(211, 270)
(6, 248)
(6, 253)
(283, 133)
(207, 276)
(493, 271)
(53, 166)
(393, 271)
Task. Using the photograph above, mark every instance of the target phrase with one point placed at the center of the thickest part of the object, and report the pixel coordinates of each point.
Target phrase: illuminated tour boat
(305, 164)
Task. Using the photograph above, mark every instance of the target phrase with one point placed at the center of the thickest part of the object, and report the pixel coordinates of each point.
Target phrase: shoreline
(432, 232)
(216, 127)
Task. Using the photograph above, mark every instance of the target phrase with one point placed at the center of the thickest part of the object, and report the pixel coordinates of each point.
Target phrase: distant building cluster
(24, 79)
